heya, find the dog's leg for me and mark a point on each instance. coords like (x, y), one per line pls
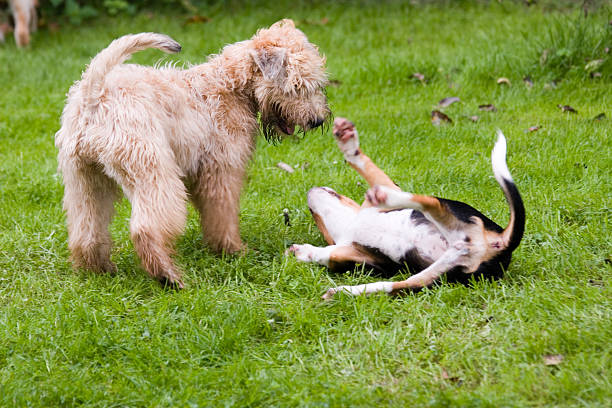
(435, 209)
(89, 196)
(335, 257)
(216, 195)
(21, 14)
(333, 213)
(452, 257)
(348, 142)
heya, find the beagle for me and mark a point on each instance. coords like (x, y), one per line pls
(393, 229)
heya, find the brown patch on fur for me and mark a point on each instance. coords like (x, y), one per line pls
(341, 256)
(321, 226)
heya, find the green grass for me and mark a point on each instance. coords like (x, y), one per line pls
(251, 330)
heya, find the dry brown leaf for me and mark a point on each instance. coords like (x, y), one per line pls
(448, 101)
(553, 359)
(489, 107)
(285, 166)
(437, 118)
(599, 117)
(197, 19)
(533, 129)
(567, 108)
(445, 376)
(504, 81)
(598, 283)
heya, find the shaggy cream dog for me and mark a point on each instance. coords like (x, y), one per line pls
(165, 135)
(26, 21)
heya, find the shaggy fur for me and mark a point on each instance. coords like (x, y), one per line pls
(165, 135)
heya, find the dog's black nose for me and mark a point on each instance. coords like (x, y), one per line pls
(316, 123)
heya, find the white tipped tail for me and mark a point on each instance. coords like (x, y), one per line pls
(513, 233)
(498, 159)
(117, 52)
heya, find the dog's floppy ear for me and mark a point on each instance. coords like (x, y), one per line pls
(270, 61)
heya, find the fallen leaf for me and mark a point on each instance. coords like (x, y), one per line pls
(533, 129)
(197, 19)
(553, 359)
(567, 108)
(550, 85)
(448, 101)
(593, 65)
(599, 117)
(335, 83)
(419, 76)
(488, 107)
(445, 376)
(322, 21)
(474, 118)
(285, 166)
(437, 118)
(598, 283)
(502, 80)
(544, 57)
(527, 80)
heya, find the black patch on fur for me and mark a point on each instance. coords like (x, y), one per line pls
(516, 205)
(418, 218)
(465, 212)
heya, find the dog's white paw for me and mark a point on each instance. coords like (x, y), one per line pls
(388, 198)
(330, 293)
(346, 138)
(304, 253)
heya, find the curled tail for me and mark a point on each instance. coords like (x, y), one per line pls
(117, 52)
(513, 233)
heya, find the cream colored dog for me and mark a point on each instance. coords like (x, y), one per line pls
(26, 21)
(167, 134)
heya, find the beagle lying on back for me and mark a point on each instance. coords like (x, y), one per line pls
(394, 229)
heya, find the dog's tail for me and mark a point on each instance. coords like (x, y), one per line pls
(513, 233)
(118, 51)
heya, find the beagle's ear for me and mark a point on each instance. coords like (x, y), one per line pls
(270, 61)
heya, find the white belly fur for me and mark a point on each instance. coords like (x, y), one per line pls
(394, 234)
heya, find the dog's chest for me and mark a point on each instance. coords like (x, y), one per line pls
(398, 234)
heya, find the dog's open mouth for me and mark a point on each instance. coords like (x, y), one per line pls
(285, 127)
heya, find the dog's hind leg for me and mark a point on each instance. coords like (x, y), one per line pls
(333, 213)
(335, 257)
(89, 196)
(453, 257)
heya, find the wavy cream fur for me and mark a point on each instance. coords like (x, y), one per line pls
(165, 134)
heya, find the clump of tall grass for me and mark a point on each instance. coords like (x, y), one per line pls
(579, 45)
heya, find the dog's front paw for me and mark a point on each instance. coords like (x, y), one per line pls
(346, 137)
(327, 296)
(304, 253)
(377, 196)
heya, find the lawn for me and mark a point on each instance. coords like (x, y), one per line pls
(251, 330)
